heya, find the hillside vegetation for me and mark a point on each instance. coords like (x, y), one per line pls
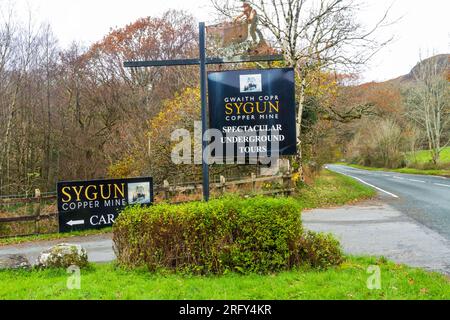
(408, 125)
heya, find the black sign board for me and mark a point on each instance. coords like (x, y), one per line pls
(255, 111)
(96, 204)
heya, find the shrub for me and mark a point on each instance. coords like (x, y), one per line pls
(320, 250)
(256, 235)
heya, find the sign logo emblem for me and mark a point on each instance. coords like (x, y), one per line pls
(139, 193)
(251, 83)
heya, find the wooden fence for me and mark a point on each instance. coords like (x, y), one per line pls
(175, 194)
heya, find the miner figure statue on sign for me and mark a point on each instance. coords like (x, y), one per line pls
(251, 16)
(241, 36)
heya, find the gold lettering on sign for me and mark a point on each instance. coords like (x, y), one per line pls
(251, 108)
(78, 192)
(102, 192)
(66, 194)
(119, 189)
(94, 194)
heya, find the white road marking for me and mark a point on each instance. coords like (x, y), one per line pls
(371, 185)
(442, 185)
(400, 178)
(413, 180)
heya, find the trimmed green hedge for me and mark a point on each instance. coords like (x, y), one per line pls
(257, 235)
(320, 250)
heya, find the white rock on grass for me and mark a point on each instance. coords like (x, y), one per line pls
(63, 256)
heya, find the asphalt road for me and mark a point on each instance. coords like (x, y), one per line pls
(425, 199)
(98, 247)
(376, 228)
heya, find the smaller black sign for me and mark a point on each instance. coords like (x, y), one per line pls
(96, 204)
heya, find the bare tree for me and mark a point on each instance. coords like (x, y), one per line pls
(387, 141)
(413, 137)
(428, 103)
(314, 35)
(19, 49)
(7, 35)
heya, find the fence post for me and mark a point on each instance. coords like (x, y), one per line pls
(37, 195)
(223, 184)
(166, 187)
(287, 184)
(253, 182)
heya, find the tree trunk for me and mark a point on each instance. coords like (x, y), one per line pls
(300, 106)
(6, 139)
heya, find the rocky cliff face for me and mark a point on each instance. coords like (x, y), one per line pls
(442, 62)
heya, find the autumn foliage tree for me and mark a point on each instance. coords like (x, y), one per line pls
(180, 112)
(69, 114)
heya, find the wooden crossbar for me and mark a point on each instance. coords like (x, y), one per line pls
(196, 62)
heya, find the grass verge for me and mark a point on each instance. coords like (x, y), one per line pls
(424, 156)
(347, 282)
(402, 170)
(333, 189)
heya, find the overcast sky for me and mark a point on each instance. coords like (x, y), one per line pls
(425, 26)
